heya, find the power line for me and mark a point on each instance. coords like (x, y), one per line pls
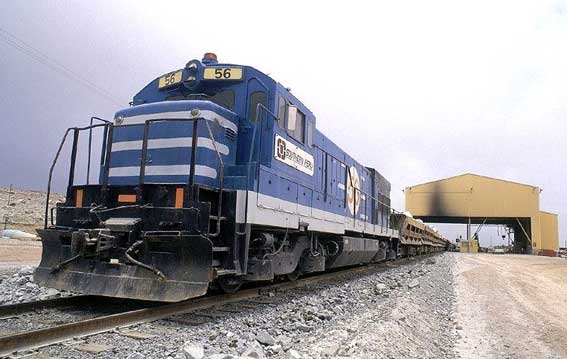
(45, 60)
(52, 64)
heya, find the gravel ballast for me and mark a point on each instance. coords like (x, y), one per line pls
(16, 286)
(402, 312)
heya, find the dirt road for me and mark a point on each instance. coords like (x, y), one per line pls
(511, 306)
(16, 253)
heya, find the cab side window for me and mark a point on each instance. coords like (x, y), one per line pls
(296, 124)
(256, 98)
(310, 125)
(281, 112)
(224, 98)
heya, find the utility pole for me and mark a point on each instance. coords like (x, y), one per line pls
(509, 232)
(7, 207)
(469, 236)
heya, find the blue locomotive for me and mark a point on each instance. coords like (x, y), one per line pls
(216, 175)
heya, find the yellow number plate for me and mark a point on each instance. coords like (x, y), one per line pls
(223, 73)
(170, 79)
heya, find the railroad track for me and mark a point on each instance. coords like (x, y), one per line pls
(13, 310)
(47, 336)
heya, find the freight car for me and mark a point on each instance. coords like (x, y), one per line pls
(215, 175)
(416, 237)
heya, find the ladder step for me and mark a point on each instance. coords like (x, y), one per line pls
(221, 249)
(225, 271)
(214, 218)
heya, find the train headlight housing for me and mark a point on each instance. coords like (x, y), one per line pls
(193, 70)
(195, 112)
(118, 120)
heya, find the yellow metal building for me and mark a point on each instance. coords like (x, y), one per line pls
(549, 233)
(476, 199)
(468, 246)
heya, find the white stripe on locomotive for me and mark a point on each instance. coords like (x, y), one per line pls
(272, 211)
(205, 114)
(159, 143)
(171, 170)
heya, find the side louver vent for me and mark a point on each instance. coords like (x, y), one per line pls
(230, 134)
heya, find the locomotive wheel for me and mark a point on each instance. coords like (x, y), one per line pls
(229, 285)
(294, 275)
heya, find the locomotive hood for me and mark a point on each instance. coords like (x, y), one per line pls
(184, 109)
(168, 128)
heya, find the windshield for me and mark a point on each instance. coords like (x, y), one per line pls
(224, 98)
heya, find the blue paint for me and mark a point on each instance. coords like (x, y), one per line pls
(325, 190)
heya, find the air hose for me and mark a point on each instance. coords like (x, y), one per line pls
(131, 250)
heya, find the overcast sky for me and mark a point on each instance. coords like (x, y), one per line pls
(419, 90)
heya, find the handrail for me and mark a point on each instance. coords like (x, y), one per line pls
(221, 180)
(143, 158)
(194, 146)
(374, 198)
(257, 121)
(106, 125)
(90, 144)
(73, 161)
(76, 129)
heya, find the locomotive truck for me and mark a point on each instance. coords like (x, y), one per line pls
(216, 175)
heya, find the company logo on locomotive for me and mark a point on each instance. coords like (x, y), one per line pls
(353, 190)
(293, 156)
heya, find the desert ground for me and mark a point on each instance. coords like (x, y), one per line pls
(511, 306)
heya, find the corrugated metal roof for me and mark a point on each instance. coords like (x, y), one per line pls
(475, 175)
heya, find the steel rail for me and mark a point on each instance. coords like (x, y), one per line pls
(48, 336)
(16, 309)
(10, 310)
